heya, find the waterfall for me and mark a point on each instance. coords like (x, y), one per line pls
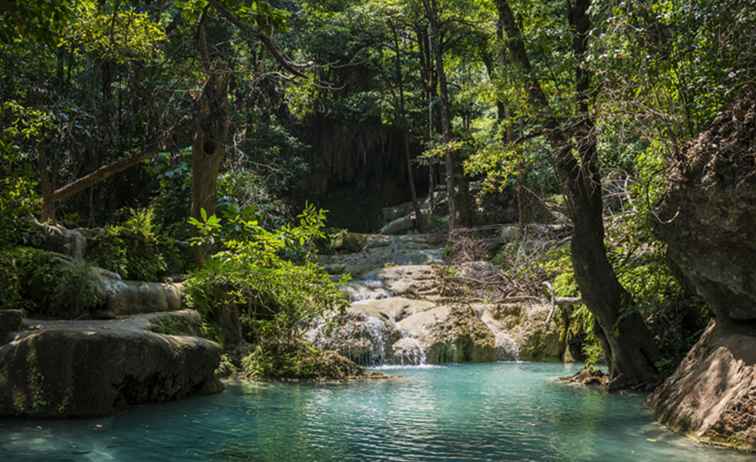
(409, 352)
(506, 348)
(376, 330)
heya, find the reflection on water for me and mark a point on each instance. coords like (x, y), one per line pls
(493, 412)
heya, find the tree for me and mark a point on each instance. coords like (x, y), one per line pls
(402, 117)
(457, 189)
(627, 343)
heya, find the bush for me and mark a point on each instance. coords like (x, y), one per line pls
(269, 278)
(300, 360)
(134, 249)
(48, 284)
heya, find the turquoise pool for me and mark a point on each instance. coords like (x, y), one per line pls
(486, 412)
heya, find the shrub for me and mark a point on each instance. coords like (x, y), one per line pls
(134, 249)
(298, 360)
(48, 284)
(269, 278)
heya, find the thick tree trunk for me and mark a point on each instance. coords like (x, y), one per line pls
(627, 342)
(208, 146)
(211, 126)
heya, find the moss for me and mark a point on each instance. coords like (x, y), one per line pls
(36, 381)
(19, 401)
(342, 241)
(66, 402)
(174, 325)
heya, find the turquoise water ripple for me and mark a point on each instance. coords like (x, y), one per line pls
(489, 412)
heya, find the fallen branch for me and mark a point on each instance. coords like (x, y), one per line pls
(101, 174)
(558, 301)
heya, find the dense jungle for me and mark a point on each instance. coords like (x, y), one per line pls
(463, 230)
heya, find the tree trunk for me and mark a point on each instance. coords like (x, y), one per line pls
(208, 145)
(402, 116)
(626, 340)
(211, 127)
(457, 190)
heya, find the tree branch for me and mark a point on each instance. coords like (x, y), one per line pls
(283, 61)
(101, 174)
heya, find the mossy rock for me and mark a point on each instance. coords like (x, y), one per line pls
(462, 337)
(343, 241)
(89, 372)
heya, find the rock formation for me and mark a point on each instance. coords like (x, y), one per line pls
(399, 314)
(94, 368)
(708, 219)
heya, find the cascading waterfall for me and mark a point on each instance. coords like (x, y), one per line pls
(376, 332)
(506, 347)
(409, 352)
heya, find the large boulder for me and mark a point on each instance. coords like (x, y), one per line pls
(712, 394)
(521, 331)
(708, 219)
(125, 298)
(57, 238)
(86, 371)
(461, 337)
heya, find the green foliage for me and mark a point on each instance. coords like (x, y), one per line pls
(117, 35)
(268, 277)
(297, 360)
(18, 197)
(134, 249)
(40, 20)
(675, 317)
(48, 284)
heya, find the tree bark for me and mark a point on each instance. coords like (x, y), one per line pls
(211, 127)
(208, 144)
(629, 347)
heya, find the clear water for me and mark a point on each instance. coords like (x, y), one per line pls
(493, 412)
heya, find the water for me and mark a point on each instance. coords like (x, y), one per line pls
(492, 412)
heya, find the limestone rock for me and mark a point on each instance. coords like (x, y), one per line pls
(94, 371)
(709, 213)
(708, 220)
(56, 238)
(125, 298)
(399, 225)
(712, 394)
(461, 337)
(364, 338)
(524, 325)
(588, 377)
(382, 251)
